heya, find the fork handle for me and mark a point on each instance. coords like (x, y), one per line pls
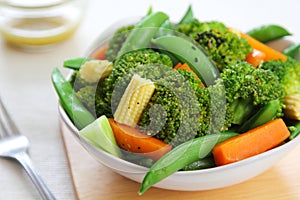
(42, 188)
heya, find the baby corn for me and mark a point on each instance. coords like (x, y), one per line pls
(94, 70)
(134, 101)
(292, 109)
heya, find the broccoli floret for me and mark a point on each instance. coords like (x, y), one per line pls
(116, 42)
(288, 73)
(181, 109)
(223, 46)
(121, 75)
(248, 88)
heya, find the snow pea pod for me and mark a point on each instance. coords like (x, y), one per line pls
(188, 16)
(140, 37)
(75, 63)
(267, 33)
(181, 156)
(192, 54)
(292, 51)
(75, 110)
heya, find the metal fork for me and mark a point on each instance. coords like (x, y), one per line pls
(14, 145)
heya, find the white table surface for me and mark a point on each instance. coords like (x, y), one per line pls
(26, 89)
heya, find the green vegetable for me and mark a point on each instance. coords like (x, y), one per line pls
(181, 156)
(191, 54)
(223, 46)
(116, 42)
(188, 16)
(294, 129)
(288, 73)
(267, 33)
(248, 88)
(100, 134)
(181, 109)
(200, 164)
(80, 116)
(262, 116)
(75, 63)
(143, 32)
(293, 51)
(126, 63)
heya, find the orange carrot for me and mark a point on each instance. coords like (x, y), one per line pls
(271, 54)
(256, 57)
(134, 141)
(253, 142)
(100, 53)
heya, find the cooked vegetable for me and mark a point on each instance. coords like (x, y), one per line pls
(288, 73)
(222, 46)
(122, 71)
(271, 54)
(80, 116)
(132, 140)
(267, 33)
(253, 142)
(294, 129)
(293, 51)
(100, 54)
(191, 54)
(248, 88)
(204, 163)
(256, 57)
(100, 134)
(134, 101)
(116, 42)
(262, 116)
(75, 63)
(187, 17)
(93, 71)
(181, 156)
(143, 32)
(292, 109)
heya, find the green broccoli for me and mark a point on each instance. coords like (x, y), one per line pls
(181, 109)
(288, 73)
(120, 76)
(223, 46)
(117, 41)
(248, 88)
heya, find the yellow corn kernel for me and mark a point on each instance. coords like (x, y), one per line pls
(292, 109)
(134, 100)
(94, 70)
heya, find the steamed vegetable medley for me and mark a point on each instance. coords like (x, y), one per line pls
(184, 96)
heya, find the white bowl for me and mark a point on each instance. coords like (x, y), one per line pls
(205, 179)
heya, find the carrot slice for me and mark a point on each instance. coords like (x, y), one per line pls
(100, 54)
(133, 140)
(271, 54)
(253, 142)
(256, 57)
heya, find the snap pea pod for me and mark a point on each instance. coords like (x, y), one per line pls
(294, 128)
(76, 111)
(140, 37)
(293, 51)
(188, 52)
(75, 63)
(262, 116)
(267, 33)
(181, 156)
(188, 16)
(200, 164)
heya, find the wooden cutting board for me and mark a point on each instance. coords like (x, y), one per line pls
(93, 181)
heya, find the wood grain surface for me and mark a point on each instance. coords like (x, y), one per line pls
(93, 181)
